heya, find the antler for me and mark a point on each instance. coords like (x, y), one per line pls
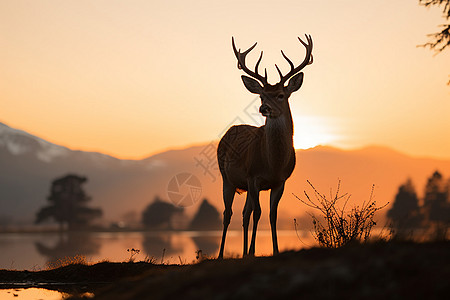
(241, 63)
(307, 61)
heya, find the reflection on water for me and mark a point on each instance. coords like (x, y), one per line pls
(36, 251)
(31, 294)
(41, 293)
(70, 244)
(156, 244)
(208, 244)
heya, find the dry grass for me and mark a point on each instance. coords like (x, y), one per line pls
(66, 261)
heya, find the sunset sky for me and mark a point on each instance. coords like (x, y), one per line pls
(132, 78)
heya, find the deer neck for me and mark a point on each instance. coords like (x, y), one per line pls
(279, 140)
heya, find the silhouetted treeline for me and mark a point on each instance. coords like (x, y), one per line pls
(68, 207)
(163, 215)
(432, 212)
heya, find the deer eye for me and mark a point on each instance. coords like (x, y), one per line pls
(280, 97)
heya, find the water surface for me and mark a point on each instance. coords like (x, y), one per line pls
(36, 251)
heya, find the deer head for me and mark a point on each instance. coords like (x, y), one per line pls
(274, 98)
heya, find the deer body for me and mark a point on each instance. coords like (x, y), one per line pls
(267, 153)
(252, 158)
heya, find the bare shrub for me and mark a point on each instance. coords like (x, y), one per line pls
(337, 226)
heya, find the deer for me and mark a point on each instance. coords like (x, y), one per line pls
(253, 159)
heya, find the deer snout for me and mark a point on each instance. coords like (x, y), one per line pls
(265, 110)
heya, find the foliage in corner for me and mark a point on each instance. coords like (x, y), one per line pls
(441, 39)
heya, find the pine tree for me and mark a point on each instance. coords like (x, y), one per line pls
(436, 203)
(405, 213)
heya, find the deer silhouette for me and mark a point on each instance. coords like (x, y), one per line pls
(254, 159)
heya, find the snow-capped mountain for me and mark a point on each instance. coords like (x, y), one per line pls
(19, 142)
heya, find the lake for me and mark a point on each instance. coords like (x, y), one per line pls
(36, 251)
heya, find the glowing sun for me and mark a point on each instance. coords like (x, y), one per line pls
(311, 131)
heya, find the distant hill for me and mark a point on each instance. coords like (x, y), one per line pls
(28, 164)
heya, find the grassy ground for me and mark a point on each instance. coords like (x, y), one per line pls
(390, 270)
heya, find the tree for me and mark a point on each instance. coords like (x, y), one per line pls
(441, 39)
(68, 203)
(405, 212)
(206, 218)
(434, 189)
(158, 214)
(436, 204)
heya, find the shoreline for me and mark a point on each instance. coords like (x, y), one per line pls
(366, 271)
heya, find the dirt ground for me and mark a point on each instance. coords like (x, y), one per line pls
(380, 270)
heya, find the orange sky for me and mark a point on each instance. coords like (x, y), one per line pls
(131, 78)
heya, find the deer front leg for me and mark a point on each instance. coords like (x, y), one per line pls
(246, 213)
(228, 196)
(275, 196)
(253, 194)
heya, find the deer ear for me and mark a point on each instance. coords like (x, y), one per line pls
(252, 85)
(295, 83)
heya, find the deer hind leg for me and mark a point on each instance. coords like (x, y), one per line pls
(275, 196)
(246, 213)
(253, 195)
(228, 196)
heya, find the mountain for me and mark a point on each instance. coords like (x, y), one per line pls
(123, 188)
(19, 142)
